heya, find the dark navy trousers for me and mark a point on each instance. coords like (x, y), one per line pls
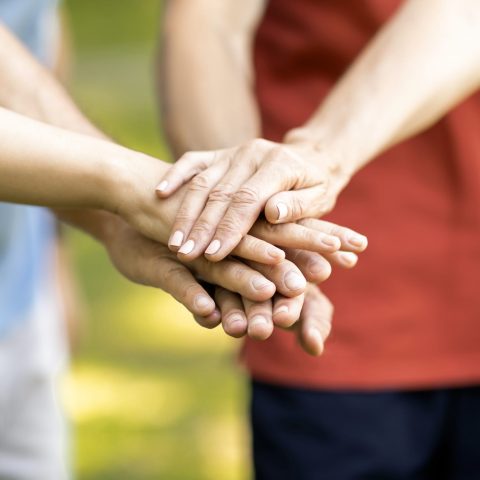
(301, 434)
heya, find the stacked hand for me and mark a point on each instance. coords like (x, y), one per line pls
(258, 286)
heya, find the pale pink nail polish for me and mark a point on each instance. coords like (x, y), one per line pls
(187, 247)
(213, 248)
(176, 239)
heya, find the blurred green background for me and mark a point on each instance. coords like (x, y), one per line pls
(150, 394)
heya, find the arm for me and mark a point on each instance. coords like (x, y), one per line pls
(430, 49)
(206, 72)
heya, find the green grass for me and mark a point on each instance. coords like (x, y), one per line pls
(150, 394)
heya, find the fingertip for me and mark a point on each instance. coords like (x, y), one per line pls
(235, 326)
(348, 259)
(283, 318)
(276, 210)
(313, 342)
(210, 321)
(259, 328)
(319, 271)
(203, 305)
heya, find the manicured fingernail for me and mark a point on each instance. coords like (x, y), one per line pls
(281, 309)
(331, 242)
(348, 258)
(187, 247)
(359, 241)
(176, 239)
(259, 283)
(275, 252)
(162, 186)
(282, 211)
(258, 321)
(294, 281)
(201, 301)
(213, 248)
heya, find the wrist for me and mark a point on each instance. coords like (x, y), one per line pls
(323, 154)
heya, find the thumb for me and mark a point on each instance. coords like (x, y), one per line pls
(294, 205)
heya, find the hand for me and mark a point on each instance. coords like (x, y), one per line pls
(308, 315)
(133, 198)
(229, 189)
(150, 263)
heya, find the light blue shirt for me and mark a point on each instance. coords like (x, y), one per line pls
(26, 233)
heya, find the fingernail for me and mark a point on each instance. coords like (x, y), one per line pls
(235, 319)
(259, 283)
(162, 186)
(294, 281)
(330, 241)
(258, 321)
(281, 309)
(187, 247)
(282, 211)
(349, 258)
(201, 301)
(318, 267)
(275, 252)
(213, 248)
(359, 241)
(316, 336)
(176, 239)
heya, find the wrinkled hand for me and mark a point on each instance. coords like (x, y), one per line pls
(228, 189)
(308, 315)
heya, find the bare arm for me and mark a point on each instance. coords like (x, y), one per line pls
(421, 64)
(206, 72)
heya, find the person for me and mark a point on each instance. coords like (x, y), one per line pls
(53, 156)
(331, 86)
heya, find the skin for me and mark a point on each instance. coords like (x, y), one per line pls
(219, 111)
(430, 47)
(115, 200)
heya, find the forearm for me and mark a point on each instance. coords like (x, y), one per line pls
(420, 65)
(206, 74)
(28, 88)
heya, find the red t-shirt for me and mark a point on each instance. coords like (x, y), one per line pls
(408, 315)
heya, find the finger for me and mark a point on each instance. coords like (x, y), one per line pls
(236, 277)
(249, 248)
(210, 321)
(286, 276)
(286, 311)
(177, 280)
(342, 259)
(186, 167)
(192, 205)
(259, 317)
(293, 235)
(213, 208)
(274, 175)
(315, 322)
(351, 240)
(252, 248)
(314, 267)
(234, 320)
(293, 205)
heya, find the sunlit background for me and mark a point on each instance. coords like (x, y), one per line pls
(150, 394)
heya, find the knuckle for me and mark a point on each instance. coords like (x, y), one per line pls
(199, 183)
(246, 197)
(172, 276)
(298, 206)
(221, 193)
(201, 226)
